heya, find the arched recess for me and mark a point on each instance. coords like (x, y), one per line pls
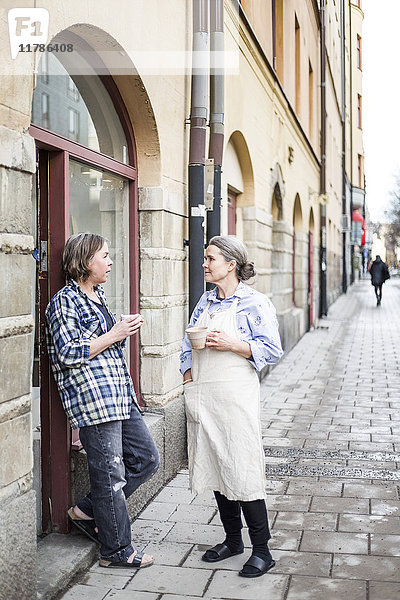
(87, 180)
(281, 241)
(238, 184)
(310, 285)
(103, 50)
(298, 285)
(276, 204)
(277, 192)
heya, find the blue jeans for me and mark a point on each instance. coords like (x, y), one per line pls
(121, 456)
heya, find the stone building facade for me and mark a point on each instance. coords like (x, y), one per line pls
(97, 138)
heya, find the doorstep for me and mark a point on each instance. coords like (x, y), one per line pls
(59, 559)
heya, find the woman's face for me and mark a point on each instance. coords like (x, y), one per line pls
(100, 266)
(216, 268)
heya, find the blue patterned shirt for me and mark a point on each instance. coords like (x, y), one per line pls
(92, 391)
(256, 323)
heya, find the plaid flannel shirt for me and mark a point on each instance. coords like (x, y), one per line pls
(92, 391)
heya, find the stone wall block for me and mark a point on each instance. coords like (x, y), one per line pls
(17, 150)
(160, 374)
(16, 270)
(15, 449)
(175, 436)
(15, 205)
(146, 278)
(151, 198)
(17, 544)
(163, 325)
(14, 352)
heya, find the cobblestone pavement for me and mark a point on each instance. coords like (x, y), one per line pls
(331, 428)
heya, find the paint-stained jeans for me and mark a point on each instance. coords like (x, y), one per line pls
(121, 456)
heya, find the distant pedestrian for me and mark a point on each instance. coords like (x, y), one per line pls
(85, 345)
(222, 400)
(379, 273)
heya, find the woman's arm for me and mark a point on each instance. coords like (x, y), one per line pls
(120, 331)
(219, 340)
(186, 354)
(64, 332)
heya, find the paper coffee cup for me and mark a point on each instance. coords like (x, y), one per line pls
(127, 316)
(197, 337)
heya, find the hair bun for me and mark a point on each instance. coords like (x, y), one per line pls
(247, 271)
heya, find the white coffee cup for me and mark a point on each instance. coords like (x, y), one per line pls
(129, 316)
(197, 337)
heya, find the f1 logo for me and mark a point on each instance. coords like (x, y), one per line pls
(27, 26)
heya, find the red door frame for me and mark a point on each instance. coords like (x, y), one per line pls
(54, 228)
(310, 279)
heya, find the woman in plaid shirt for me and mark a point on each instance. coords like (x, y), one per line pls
(85, 345)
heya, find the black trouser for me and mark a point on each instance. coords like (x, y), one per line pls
(255, 514)
(378, 291)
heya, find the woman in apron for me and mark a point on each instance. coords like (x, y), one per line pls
(222, 400)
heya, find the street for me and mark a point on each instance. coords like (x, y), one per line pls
(331, 431)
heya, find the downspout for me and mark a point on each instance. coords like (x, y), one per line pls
(323, 291)
(216, 112)
(344, 186)
(197, 148)
(351, 146)
(274, 34)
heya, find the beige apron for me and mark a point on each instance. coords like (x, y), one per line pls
(223, 418)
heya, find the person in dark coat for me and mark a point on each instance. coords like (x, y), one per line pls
(379, 273)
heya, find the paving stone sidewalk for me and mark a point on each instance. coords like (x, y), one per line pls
(331, 430)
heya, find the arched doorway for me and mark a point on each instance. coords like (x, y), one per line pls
(297, 284)
(238, 184)
(86, 180)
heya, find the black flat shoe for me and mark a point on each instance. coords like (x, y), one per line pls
(220, 551)
(262, 566)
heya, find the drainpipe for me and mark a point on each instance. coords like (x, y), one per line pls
(351, 147)
(323, 294)
(197, 147)
(216, 112)
(344, 203)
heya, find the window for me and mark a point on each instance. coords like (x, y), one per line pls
(277, 37)
(45, 110)
(44, 68)
(360, 171)
(359, 56)
(94, 123)
(297, 78)
(72, 90)
(359, 111)
(73, 124)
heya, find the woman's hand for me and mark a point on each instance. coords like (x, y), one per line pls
(219, 340)
(126, 327)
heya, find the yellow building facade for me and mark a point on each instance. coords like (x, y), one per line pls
(95, 136)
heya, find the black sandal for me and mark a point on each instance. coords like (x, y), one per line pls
(222, 551)
(85, 526)
(262, 566)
